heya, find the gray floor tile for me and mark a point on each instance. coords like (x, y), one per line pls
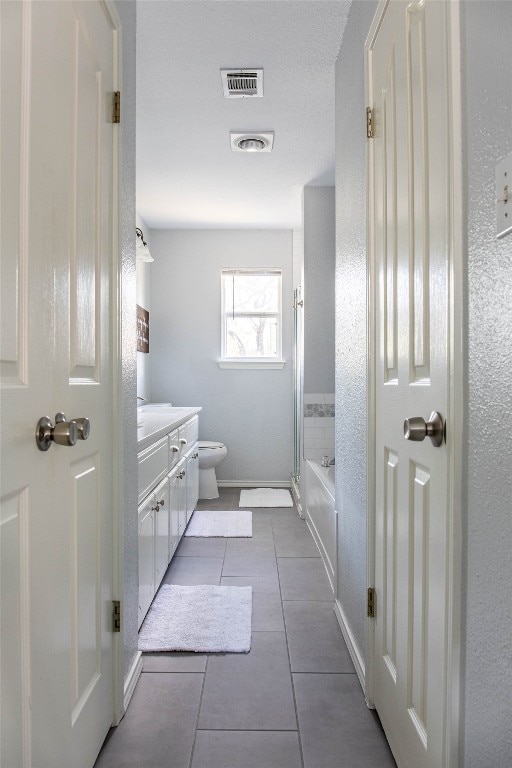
(267, 583)
(295, 543)
(174, 662)
(246, 749)
(158, 728)
(267, 610)
(250, 691)
(249, 546)
(303, 579)
(201, 546)
(248, 563)
(189, 571)
(337, 728)
(315, 641)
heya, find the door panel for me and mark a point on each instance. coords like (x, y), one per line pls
(410, 164)
(58, 204)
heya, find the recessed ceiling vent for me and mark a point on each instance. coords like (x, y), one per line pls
(242, 83)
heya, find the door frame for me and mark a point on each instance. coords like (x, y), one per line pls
(456, 388)
(117, 380)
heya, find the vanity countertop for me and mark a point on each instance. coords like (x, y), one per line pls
(157, 425)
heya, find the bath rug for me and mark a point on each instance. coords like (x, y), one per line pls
(266, 497)
(227, 524)
(204, 619)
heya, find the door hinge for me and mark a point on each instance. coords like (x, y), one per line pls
(370, 123)
(116, 107)
(371, 599)
(116, 615)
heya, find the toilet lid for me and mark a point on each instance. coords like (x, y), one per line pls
(209, 444)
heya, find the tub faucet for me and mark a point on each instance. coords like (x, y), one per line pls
(332, 462)
(325, 461)
(141, 398)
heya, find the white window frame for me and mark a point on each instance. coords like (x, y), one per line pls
(276, 360)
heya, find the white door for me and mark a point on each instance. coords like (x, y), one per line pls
(410, 159)
(58, 254)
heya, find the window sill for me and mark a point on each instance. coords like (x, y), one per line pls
(251, 364)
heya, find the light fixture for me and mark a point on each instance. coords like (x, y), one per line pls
(142, 251)
(252, 142)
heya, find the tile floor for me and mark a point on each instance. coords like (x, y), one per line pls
(294, 701)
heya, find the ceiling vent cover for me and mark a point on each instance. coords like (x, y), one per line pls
(242, 83)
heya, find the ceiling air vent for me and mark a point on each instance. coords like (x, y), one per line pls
(242, 83)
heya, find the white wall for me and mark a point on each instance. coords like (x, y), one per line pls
(351, 387)
(143, 300)
(250, 411)
(487, 511)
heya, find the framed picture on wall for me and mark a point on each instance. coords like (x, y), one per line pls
(142, 329)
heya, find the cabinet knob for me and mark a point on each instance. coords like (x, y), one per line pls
(175, 449)
(183, 441)
(162, 502)
(155, 509)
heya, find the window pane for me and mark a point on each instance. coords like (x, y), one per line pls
(251, 337)
(252, 293)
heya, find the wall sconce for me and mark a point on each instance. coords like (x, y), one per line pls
(142, 251)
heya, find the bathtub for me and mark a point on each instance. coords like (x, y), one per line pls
(320, 513)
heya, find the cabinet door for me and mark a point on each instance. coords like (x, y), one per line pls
(192, 478)
(161, 510)
(174, 512)
(182, 496)
(146, 556)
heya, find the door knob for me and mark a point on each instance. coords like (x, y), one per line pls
(63, 433)
(417, 429)
(84, 427)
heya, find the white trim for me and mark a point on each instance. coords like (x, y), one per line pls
(456, 392)
(330, 568)
(254, 483)
(370, 367)
(355, 654)
(251, 364)
(132, 678)
(116, 338)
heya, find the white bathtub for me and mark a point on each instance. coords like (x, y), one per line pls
(320, 513)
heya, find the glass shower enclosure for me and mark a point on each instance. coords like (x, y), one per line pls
(298, 379)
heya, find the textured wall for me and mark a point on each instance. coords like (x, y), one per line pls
(250, 411)
(351, 389)
(129, 544)
(487, 514)
(319, 258)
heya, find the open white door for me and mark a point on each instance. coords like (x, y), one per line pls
(411, 182)
(59, 246)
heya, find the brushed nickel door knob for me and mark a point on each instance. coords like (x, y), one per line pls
(417, 429)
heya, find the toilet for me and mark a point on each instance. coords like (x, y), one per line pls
(210, 454)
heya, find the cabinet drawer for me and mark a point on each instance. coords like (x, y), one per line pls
(153, 466)
(174, 448)
(189, 432)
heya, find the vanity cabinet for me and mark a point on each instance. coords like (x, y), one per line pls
(168, 486)
(192, 480)
(146, 556)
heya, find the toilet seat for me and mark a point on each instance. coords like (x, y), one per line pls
(209, 444)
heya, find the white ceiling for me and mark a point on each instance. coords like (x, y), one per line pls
(187, 175)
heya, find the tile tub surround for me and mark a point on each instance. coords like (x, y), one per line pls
(278, 706)
(318, 425)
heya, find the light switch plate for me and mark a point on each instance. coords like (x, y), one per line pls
(504, 197)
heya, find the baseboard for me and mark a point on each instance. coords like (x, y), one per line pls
(254, 484)
(355, 654)
(132, 679)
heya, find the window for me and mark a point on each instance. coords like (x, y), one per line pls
(251, 315)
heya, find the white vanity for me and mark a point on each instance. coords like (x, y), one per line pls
(168, 479)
